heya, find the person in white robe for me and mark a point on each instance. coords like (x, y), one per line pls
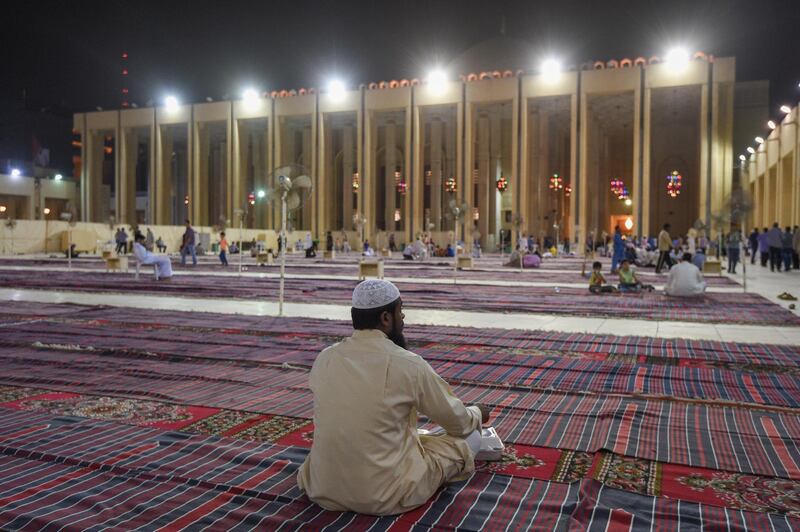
(162, 262)
(367, 455)
(685, 279)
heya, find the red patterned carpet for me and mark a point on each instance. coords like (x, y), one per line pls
(711, 308)
(120, 418)
(554, 271)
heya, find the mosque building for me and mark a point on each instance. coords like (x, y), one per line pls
(636, 142)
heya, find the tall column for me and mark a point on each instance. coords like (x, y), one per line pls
(641, 196)
(240, 145)
(164, 190)
(466, 165)
(704, 198)
(526, 190)
(231, 155)
(326, 177)
(496, 169)
(390, 160)
(580, 189)
(349, 166)
(573, 176)
(418, 185)
(482, 201)
(450, 168)
(307, 208)
(436, 173)
(150, 215)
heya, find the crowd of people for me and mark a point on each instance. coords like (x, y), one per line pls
(779, 248)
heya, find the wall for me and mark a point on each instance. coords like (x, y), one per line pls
(29, 236)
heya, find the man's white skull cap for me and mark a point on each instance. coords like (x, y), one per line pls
(374, 293)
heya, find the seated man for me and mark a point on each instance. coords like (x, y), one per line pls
(685, 279)
(162, 262)
(699, 259)
(367, 455)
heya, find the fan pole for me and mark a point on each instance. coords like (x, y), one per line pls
(241, 223)
(742, 255)
(283, 251)
(455, 250)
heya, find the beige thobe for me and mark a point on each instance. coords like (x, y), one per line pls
(367, 456)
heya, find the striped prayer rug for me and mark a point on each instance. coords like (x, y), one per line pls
(711, 308)
(713, 424)
(63, 471)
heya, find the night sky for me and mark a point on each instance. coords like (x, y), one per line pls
(67, 54)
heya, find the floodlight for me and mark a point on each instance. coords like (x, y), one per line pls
(750, 150)
(771, 124)
(58, 177)
(742, 158)
(2, 208)
(46, 210)
(15, 172)
(551, 68)
(760, 140)
(336, 89)
(786, 109)
(628, 202)
(437, 80)
(261, 193)
(250, 98)
(677, 59)
(171, 103)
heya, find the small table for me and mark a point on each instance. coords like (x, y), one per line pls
(370, 269)
(116, 263)
(107, 254)
(265, 258)
(712, 266)
(464, 261)
(386, 253)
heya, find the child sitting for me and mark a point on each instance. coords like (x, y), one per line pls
(597, 281)
(628, 282)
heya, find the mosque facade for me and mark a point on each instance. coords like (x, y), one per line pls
(632, 142)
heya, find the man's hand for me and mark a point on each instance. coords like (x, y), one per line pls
(485, 413)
